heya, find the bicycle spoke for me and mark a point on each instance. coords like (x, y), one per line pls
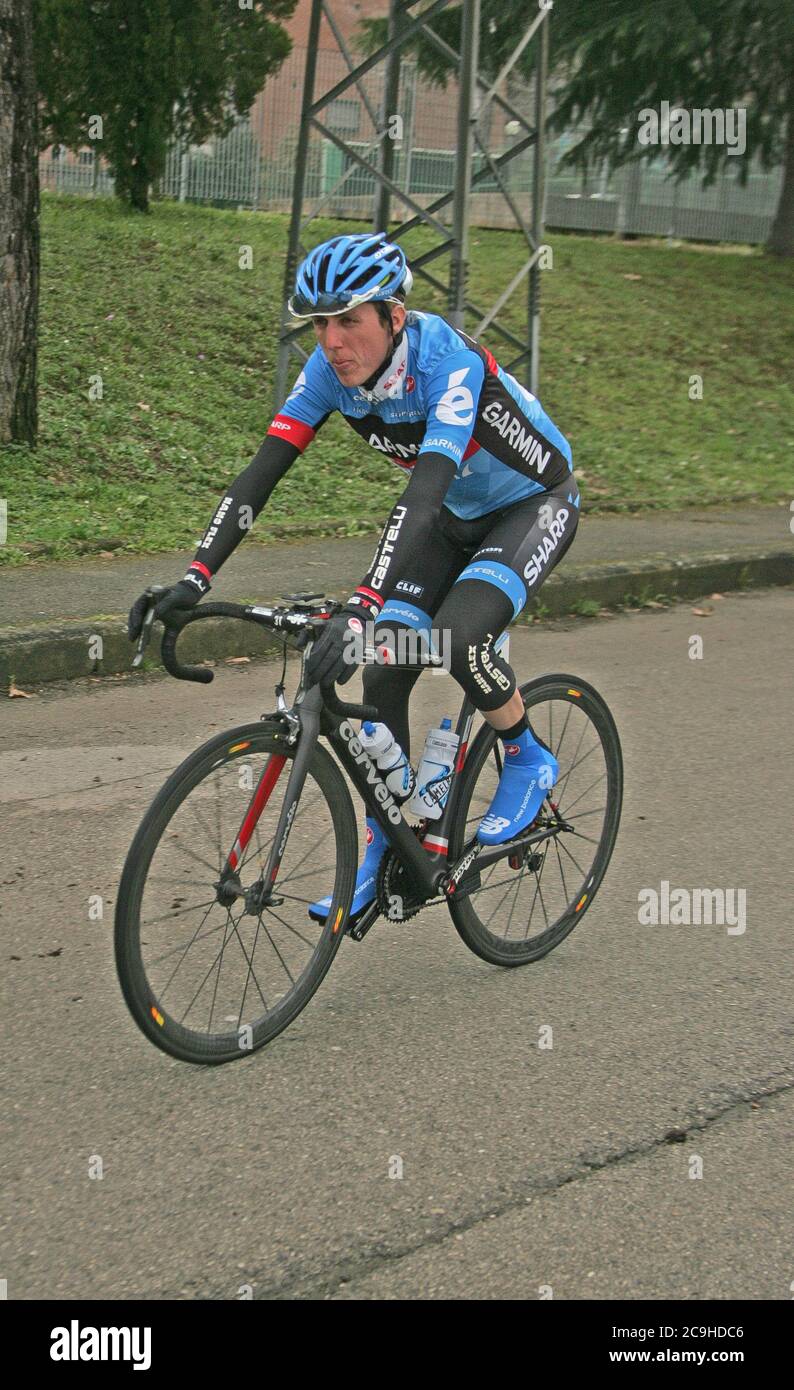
(209, 971)
(560, 789)
(571, 856)
(556, 750)
(158, 960)
(534, 900)
(275, 948)
(172, 916)
(515, 900)
(250, 968)
(161, 993)
(584, 757)
(292, 879)
(499, 904)
(568, 809)
(313, 847)
(191, 853)
(215, 991)
(542, 901)
(562, 871)
(294, 930)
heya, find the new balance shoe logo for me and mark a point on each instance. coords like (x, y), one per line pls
(490, 825)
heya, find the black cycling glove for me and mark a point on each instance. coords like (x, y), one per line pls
(338, 650)
(185, 594)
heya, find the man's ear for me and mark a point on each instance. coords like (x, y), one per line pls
(397, 317)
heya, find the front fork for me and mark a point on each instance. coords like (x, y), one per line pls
(260, 893)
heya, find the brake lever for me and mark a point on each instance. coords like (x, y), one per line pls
(154, 591)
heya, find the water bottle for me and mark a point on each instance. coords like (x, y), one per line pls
(387, 755)
(435, 772)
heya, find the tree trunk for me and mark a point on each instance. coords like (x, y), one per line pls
(132, 182)
(781, 237)
(19, 224)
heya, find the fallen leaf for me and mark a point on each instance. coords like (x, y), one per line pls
(23, 694)
(106, 555)
(236, 660)
(702, 612)
(142, 405)
(716, 595)
(632, 277)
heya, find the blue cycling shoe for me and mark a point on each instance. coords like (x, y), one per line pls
(366, 878)
(529, 772)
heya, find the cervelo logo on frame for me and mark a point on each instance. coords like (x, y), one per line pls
(380, 790)
(74, 1343)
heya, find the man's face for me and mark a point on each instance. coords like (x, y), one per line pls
(356, 343)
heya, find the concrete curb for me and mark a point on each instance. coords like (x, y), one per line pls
(84, 647)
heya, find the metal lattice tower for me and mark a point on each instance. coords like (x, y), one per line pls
(475, 95)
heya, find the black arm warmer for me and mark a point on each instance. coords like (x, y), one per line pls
(244, 501)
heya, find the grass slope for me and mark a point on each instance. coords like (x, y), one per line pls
(185, 344)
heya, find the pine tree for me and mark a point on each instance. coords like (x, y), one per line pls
(612, 59)
(134, 74)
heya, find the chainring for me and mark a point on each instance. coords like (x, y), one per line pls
(393, 881)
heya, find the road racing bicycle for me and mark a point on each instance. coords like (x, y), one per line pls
(215, 949)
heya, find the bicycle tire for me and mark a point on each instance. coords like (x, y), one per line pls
(148, 1010)
(484, 943)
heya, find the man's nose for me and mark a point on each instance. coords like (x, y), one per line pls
(333, 336)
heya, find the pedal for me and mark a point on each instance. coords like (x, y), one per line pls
(369, 916)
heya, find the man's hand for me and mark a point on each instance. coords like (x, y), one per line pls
(332, 656)
(181, 595)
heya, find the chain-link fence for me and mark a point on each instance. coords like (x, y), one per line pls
(254, 166)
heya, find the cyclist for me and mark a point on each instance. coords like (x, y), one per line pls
(490, 507)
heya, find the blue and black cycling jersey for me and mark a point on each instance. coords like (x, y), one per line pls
(471, 439)
(441, 393)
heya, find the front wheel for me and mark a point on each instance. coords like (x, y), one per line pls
(527, 904)
(208, 980)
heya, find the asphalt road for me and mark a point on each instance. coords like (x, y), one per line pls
(524, 1170)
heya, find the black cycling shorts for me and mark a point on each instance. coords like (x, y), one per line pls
(468, 588)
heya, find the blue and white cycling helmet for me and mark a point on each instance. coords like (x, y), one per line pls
(346, 271)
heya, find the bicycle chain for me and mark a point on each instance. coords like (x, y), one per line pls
(391, 876)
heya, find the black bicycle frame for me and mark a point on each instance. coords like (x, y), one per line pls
(313, 714)
(427, 861)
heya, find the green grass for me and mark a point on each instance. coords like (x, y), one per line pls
(185, 344)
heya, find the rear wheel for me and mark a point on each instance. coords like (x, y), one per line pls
(209, 982)
(527, 905)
